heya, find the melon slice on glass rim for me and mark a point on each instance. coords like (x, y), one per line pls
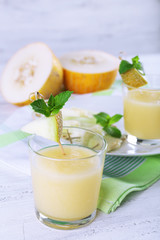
(47, 127)
(33, 68)
(89, 70)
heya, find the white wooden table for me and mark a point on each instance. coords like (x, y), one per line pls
(138, 218)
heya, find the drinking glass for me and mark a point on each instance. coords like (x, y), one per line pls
(66, 187)
(142, 112)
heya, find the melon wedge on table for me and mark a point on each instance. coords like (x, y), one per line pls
(89, 70)
(33, 68)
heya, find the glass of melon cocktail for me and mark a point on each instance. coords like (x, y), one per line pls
(142, 112)
(66, 186)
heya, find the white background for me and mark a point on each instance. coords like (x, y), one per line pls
(66, 25)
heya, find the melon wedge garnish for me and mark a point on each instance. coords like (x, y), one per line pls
(89, 70)
(33, 68)
(132, 73)
(133, 78)
(50, 126)
(47, 127)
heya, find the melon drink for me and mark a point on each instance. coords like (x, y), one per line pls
(62, 188)
(142, 112)
(66, 187)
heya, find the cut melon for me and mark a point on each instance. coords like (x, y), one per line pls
(47, 127)
(133, 78)
(33, 68)
(89, 71)
(83, 118)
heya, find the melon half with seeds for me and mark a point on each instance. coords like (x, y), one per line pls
(89, 70)
(33, 68)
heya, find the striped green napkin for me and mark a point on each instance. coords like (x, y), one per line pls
(121, 175)
(11, 137)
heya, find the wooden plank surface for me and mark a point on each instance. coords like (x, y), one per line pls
(137, 218)
(108, 25)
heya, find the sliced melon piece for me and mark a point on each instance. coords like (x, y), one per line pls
(47, 127)
(133, 78)
(83, 118)
(33, 68)
(89, 71)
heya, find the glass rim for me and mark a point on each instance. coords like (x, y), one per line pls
(149, 88)
(103, 149)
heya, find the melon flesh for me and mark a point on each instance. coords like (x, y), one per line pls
(89, 61)
(33, 68)
(89, 71)
(47, 127)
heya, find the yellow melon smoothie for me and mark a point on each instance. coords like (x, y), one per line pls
(142, 114)
(66, 186)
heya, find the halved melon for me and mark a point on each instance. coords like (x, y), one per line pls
(33, 68)
(89, 70)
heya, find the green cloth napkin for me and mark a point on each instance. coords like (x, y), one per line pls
(121, 175)
(11, 137)
(114, 189)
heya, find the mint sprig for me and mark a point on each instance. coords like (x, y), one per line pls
(106, 121)
(54, 104)
(126, 66)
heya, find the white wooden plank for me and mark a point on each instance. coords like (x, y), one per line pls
(131, 26)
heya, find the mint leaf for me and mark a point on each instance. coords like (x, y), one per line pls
(115, 119)
(137, 64)
(113, 131)
(51, 102)
(41, 107)
(62, 98)
(55, 111)
(106, 122)
(135, 60)
(102, 118)
(125, 66)
(53, 106)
